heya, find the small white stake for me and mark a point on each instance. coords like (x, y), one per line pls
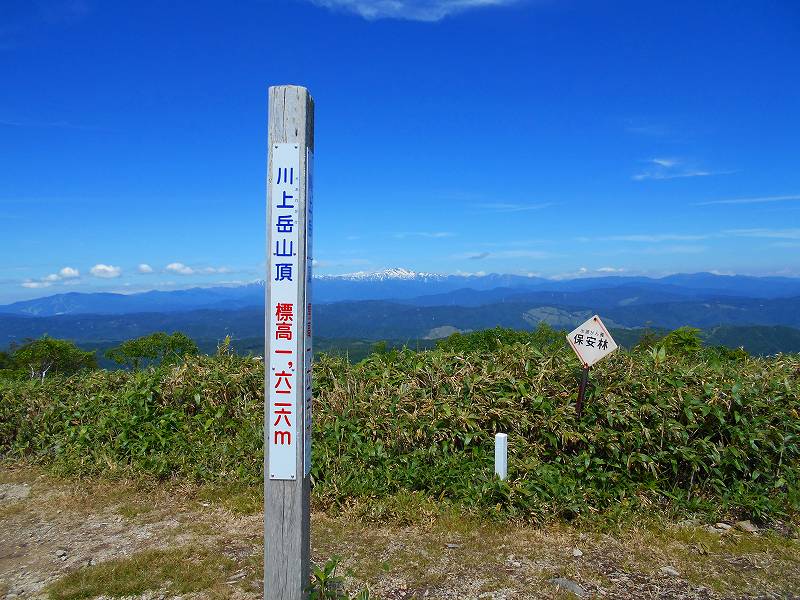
(501, 455)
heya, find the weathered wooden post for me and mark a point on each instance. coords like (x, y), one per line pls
(288, 348)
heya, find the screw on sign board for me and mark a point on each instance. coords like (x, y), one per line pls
(289, 388)
(592, 342)
(284, 364)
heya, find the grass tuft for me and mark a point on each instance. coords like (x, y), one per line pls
(177, 571)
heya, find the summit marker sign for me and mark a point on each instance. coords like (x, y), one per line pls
(288, 344)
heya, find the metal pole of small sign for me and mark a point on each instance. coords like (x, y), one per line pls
(582, 391)
(288, 351)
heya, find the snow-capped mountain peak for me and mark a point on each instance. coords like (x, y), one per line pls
(395, 273)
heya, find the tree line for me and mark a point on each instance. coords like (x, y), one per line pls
(39, 358)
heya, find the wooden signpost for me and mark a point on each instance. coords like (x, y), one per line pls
(592, 342)
(288, 348)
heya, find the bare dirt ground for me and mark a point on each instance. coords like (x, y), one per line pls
(88, 538)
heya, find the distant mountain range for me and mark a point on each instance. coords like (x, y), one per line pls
(372, 320)
(403, 305)
(426, 289)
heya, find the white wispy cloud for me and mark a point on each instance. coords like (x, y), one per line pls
(425, 234)
(657, 238)
(503, 207)
(673, 168)
(580, 272)
(763, 232)
(587, 272)
(756, 200)
(342, 262)
(105, 271)
(179, 268)
(522, 254)
(675, 249)
(665, 162)
(649, 238)
(144, 268)
(471, 255)
(668, 175)
(35, 284)
(410, 10)
(517, 243)
(66, 275)
(537, 254)
(182, 269)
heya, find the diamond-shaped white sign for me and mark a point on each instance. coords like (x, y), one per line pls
(591, 341)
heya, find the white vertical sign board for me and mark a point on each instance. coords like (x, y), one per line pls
(307, 339)
(591, 341)
(285, 369)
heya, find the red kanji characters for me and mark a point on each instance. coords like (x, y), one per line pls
(283, 379)
(283, 413)
(284, 314)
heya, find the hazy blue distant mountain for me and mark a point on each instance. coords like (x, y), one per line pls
(200, 324)
(74, 303)
(704, 314)
(736, 285)
(426, 289)
(401, 284)
(377, 319)
(597, 297)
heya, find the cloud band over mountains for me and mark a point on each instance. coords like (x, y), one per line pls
(410, 10)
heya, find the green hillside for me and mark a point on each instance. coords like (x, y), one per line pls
(755, 339)
(761, 326)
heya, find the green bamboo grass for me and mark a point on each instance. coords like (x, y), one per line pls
(672, 433)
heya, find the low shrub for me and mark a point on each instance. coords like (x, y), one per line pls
(676, 433)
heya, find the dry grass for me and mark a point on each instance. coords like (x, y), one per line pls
(176, 571)
(214, 546)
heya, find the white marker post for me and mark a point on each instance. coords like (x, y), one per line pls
(592, 342)
(501, 455)
(287, 354)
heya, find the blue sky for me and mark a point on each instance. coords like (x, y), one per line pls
(555, 137)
